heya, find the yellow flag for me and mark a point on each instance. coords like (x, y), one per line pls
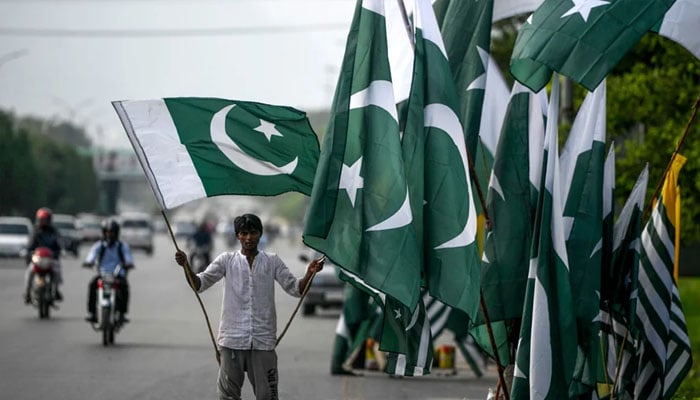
(671, 197)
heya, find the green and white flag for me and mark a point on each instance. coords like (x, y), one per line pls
(680, 23)
(192, 148)
(582, 165)
(619, 291)
(437, 170)
(511, 210)
(664, 347)
(546, 352)
(360, 214)
(405, 334)
(582, 39)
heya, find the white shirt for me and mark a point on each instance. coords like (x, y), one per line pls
(248, 315)
(110, 258)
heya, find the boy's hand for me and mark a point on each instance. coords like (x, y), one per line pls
(180, 257)
(316, 265)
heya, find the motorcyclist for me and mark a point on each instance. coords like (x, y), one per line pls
(45, 235)
(202, 243)
(107, 254)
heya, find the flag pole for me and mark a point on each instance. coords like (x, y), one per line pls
(676, 151)
(190, 281)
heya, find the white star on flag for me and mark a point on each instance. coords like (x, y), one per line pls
(584, 7)
(267, 129)
(397, 313)
(351, 181)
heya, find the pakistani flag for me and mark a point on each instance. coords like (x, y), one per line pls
(664, 347)
(582, 39)
(437, 168)
(405, 334)
(360, 214)
(191, 148)
(513, 185)
(680, 23)
(619, 291)
(466, 31)
(546, 352)
(582, 164)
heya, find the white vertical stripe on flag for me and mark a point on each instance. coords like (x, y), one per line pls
(165, 160)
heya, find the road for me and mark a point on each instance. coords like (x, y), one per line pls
(165, 351)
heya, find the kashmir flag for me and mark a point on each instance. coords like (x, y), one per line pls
(546, 352)
(360, 214)
(618, 293)
(680, 24)
(437, 169)
(664, 347)
(582, 165)
(582, 39)
(514, 184)
(191, 148)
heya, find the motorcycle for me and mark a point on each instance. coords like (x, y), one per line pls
(109, 319)
(42, 289)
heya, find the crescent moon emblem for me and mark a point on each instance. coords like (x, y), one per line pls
(238, 157)
(401, 217)
(414, 319)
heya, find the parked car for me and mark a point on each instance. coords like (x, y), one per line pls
(15, 233)
(137, 231)
(326, 290)
(68, 235)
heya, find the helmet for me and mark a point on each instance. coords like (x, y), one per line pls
(44, 213)
(42, 258)
(110, 225)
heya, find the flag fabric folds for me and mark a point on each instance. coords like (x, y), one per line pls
(437, 170)
(511, 206)
(192, 148)
(664, 350)
(583, 40)
(359, 214)
(680, 24)
(546, 352)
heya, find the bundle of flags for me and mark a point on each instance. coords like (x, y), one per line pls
(396, 189)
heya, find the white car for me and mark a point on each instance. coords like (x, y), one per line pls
(15, 234)
(137, 231)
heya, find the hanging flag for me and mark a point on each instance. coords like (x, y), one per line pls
(360, 214)
(405, 334)
(582, 166)
(358, 321)
(514, 184)
(437, 170)
(664, 346)
(192, 148)
(582, 39)
(618, 291)
(547, 347)
(680, 24)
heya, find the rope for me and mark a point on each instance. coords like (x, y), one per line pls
(303, 294)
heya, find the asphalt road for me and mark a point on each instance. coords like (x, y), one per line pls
(166, 353)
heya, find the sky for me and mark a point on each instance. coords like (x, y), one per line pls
(68, 59)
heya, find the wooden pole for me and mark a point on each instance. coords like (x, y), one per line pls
(301, 299)
(190, 280)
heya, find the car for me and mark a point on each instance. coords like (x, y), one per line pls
(15, 234)
(327, 290)
(184, 228)
(89, 229)
(137, 231)
(68, 235)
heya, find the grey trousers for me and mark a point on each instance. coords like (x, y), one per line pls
(261, 366)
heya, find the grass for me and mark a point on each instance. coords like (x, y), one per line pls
(690, 298)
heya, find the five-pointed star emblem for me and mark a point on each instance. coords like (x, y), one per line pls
(267, 129)
(584, 7)
(351, 181)
(397, 313)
